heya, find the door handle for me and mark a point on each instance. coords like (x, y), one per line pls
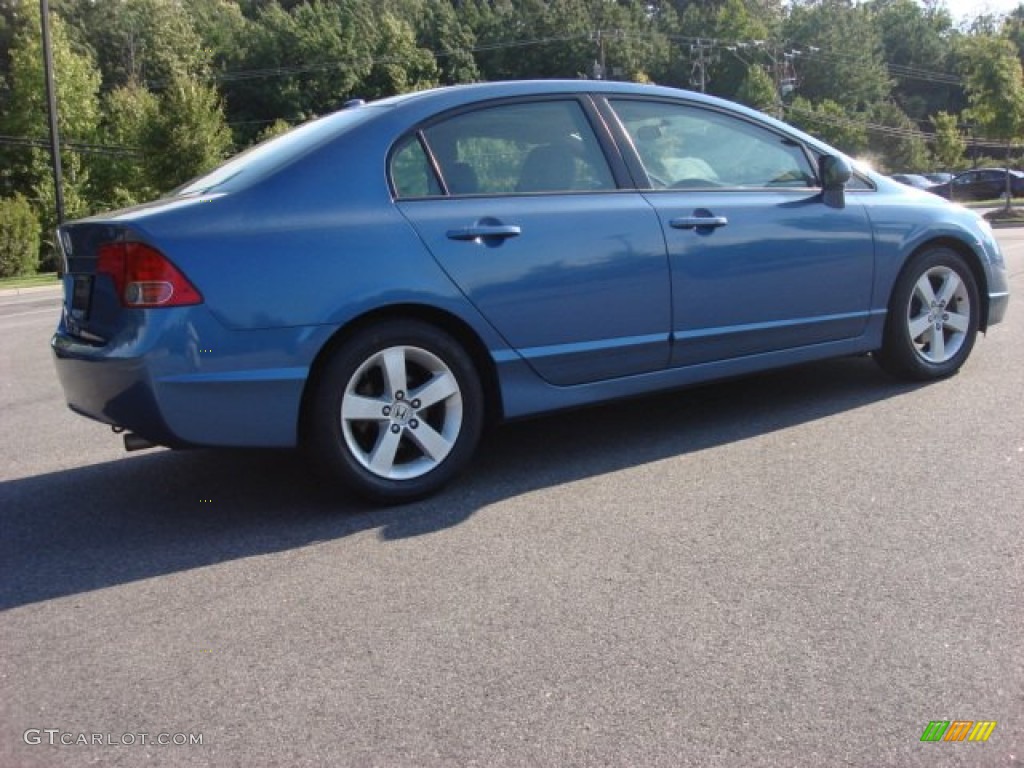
(485, 232)
(698, 222)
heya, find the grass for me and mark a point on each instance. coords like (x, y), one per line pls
(996, 210)
(996, 203)
(29, 281)
(1001, 215)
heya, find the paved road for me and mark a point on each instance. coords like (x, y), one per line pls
(800, 569)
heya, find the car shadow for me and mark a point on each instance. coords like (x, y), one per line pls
(162, 512)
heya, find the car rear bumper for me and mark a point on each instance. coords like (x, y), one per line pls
(118, 392)
(186, 381)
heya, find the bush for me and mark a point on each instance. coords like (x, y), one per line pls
(19, 237)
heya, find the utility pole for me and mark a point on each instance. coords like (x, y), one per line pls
(704, 58)
(599, 69)
(51, 100)
(783, 70)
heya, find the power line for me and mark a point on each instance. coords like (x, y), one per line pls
(291, 70)
(889, 130)
(73, 146)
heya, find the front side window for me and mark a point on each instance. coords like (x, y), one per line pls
(519, 148)
(683, 147)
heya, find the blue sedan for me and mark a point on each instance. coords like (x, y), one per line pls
(379, 285)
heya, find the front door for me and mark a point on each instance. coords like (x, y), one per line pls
(759, 262)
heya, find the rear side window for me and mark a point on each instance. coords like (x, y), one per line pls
(518, 148)
(684, 147)
(411, 172)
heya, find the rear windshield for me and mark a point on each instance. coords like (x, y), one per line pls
(278, 152)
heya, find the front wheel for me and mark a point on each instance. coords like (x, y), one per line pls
(933, 317)
(396, 412)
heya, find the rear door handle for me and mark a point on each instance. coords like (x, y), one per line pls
(485, 232)
(698, 222)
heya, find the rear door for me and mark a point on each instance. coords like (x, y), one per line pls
(518, 201)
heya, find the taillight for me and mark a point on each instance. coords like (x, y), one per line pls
(144, 277)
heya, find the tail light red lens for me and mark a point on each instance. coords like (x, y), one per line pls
(144, 277)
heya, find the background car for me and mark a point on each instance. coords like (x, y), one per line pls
(939, 177)
(981, 184)
(378, 285)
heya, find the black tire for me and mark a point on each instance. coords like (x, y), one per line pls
(933, 317)
(367, 427)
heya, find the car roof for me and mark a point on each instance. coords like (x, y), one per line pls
(475, 92)
(1013, 172)
(502, 88)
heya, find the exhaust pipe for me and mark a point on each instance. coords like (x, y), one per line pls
(133, 442)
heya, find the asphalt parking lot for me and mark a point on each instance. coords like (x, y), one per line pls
(798, 569)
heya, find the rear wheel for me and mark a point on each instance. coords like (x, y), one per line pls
(933, 317)
(396, 413)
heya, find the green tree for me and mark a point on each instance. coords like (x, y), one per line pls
(758, 90)
(188, 137)
(633, 46)
(949, 145)
(399, 65)
(77, 81)
(76, 78)
(302, 63)
(130, 117)
(8, 24)
(19, 237)
(277, 128)
(896, 143)
(916, 41)
(995, 90)
(728, 22)
(1013, 29)
(829, 121)
(453, 41)
(144, 41)
(442, 31)
(840, 56)
(561, 35)
(223, 31)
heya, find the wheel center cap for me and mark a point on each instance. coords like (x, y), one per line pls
(401, 412)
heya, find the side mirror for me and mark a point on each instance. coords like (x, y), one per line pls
(834, 172)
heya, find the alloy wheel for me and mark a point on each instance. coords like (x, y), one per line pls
(401, 413)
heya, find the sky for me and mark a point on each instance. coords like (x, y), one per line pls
(969, 9)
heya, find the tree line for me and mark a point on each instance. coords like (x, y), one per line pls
(154, 92)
